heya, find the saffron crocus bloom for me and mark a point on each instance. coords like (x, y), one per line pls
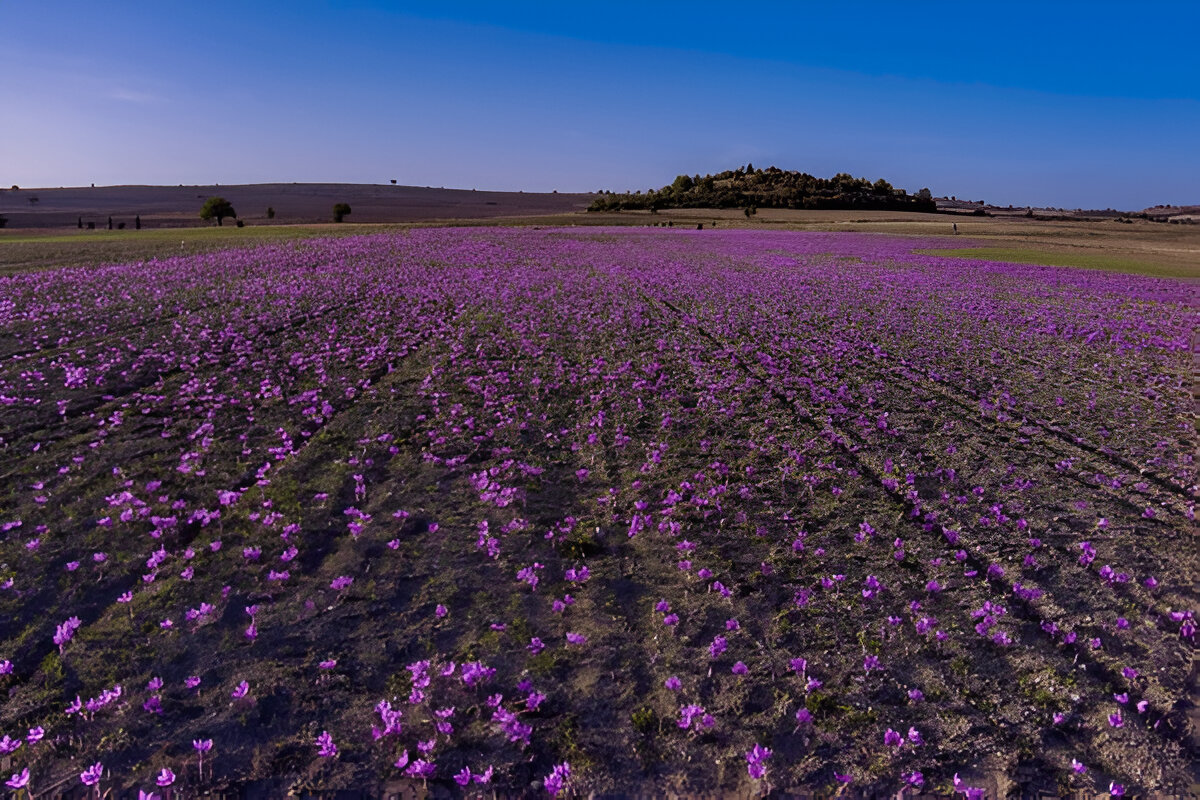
(19, 780)
(755, 759)
(240, 691)
(325, 746)
(892, 739)
(558, 778)
(673, 683)
(91, 775)
(740, 669)
(166, 777)
(576, 638)
(35, 735)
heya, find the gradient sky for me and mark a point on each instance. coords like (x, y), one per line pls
(1068, 104)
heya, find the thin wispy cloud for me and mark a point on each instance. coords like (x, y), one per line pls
(134, 96)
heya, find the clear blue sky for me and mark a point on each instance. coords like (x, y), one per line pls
(1070, 104)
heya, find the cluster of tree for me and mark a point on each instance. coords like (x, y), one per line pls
(218, 208)
(747, 187)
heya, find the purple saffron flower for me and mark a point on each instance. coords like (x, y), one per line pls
(91, 775)
(754, 761)
(19, 780)
(558, 779)
(166, 777)
(325, 745)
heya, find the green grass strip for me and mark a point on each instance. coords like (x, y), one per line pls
(1054, 258)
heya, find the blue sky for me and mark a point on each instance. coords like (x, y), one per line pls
(1051, 103)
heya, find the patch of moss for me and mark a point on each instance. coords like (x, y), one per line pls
(644, 720)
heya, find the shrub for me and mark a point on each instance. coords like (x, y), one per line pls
(340, 211)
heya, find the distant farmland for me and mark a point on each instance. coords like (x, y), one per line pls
(293, 203)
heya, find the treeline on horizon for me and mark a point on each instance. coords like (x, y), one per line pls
(750, 188)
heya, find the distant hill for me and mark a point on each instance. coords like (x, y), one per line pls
(750, 188)
(175, 206)
(1181, 214)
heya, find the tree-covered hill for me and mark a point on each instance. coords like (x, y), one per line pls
(747, 187)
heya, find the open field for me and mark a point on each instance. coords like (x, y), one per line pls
(1140, 247)
(637, 510)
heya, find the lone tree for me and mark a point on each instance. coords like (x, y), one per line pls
(270, 212)
(340, 211)
(217, 208)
